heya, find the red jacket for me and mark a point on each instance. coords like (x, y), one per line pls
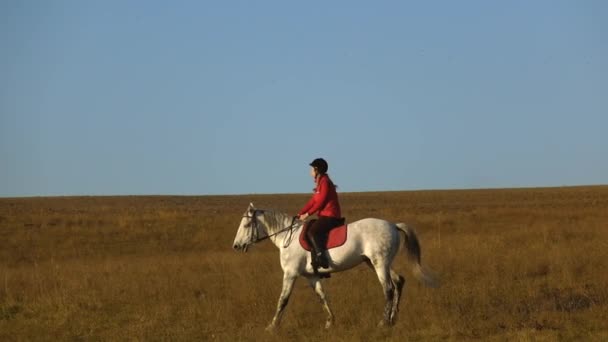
(324, 200)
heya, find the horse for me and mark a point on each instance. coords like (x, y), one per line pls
(370, 240)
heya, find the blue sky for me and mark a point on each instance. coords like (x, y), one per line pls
(237, 97)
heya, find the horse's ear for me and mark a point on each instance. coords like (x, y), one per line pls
(251, 205)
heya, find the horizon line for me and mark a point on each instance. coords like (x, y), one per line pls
(300, 193)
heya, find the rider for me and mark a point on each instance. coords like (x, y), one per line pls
(325, 202)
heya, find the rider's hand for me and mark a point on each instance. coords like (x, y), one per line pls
(303, 216)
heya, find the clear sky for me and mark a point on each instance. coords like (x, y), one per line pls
(236, 97)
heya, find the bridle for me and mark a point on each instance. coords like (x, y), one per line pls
(254, 231)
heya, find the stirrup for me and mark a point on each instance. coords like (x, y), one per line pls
(315, 269)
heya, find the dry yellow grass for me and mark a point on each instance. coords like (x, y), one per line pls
(516, 264)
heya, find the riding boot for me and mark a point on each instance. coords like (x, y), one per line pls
(319, 259)
(313, 256)
(315, 260)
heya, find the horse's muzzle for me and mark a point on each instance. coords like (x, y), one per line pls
(240, 248)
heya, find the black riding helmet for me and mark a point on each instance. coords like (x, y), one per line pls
(320, 164)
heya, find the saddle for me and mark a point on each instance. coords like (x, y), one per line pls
(335, 237)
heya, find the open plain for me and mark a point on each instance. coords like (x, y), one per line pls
(515, 264)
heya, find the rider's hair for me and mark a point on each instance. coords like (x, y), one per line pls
(328, 178)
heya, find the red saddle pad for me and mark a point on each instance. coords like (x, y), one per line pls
(336, 238)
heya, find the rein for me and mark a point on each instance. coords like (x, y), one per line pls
(254, 231)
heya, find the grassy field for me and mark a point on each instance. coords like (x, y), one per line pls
(515, 264)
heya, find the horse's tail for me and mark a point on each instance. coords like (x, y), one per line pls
(413, 252)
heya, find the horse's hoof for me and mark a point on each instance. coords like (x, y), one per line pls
(328, 324)
(384, 324)
(271, 328)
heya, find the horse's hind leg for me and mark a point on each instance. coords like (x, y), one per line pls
(315, 283)
(384, 276)
(398, 283)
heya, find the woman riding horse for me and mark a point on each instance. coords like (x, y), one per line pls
(325, 202)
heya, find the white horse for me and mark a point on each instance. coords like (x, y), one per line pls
(370, 240)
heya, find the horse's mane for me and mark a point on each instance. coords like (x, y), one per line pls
(275, 220)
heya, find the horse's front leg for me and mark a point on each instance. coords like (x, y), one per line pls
(315, 283)
(288, 281)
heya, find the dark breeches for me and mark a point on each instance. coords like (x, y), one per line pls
(319, 228)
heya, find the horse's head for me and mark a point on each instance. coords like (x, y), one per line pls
(248, 231)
